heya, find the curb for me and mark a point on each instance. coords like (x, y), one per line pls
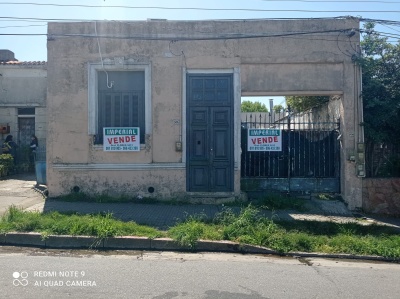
(43, 192)
(160, 244)
(126, 242)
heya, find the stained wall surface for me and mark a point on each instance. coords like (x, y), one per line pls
(266, 57)
(23, 85)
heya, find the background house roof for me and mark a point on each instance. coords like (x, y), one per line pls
(7, 57)
(16, 62)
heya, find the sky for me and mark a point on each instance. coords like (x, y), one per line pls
(23, 17)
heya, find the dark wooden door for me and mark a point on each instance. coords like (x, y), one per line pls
(210, 160)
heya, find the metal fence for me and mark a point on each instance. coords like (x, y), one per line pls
(310, 147)
(382, 159)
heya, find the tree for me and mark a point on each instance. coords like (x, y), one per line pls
(249, 106)
(303, 103)
(380, 63)
(279, 108)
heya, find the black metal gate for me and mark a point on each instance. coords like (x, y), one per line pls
(308, 162)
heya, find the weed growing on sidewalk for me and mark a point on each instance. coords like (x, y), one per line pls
(281, 202)
(55, 223)
(248, 227)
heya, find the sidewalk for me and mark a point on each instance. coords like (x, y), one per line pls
(163, 216)
(19, 190)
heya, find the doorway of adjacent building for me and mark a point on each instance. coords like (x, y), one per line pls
(210, 133)
(26, 128)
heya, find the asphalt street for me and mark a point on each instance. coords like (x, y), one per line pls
(35, 273)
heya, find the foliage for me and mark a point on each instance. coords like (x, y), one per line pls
(279, 108)
(277, 201)
(98, 225)
(304, 103)
(250, 227)
(23, 154)
(191, 230)
(380, 63)
(249, 106)
(247, 226)
(6, 164)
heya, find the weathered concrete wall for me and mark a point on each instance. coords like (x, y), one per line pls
(306, 64)
(381, 196)
(23, 85)
(328, 112)
(116, 182)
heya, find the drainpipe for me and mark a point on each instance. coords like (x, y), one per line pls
(289, 149)
(271, 109)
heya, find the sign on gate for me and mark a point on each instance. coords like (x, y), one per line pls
(121, 139)
(264, 140)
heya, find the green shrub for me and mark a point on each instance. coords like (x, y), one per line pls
(6, 164)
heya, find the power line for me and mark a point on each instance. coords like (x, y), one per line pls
(337, 1)
(18, 26)
(388, 22)
(377, 21)
(390, 28)
(393, 35)
(230, 36)
(19, 19)
(44, 19)
(199, 8)
(171, 38)
(23, 34)
(182, 38)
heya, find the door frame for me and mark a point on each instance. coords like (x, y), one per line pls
(236, 117)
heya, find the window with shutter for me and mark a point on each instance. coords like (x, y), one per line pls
(121, 101)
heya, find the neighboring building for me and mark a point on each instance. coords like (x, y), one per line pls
(23, 91)
(181, 82)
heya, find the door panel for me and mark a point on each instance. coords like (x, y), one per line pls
(221, 175)
(209, 133)
(199, 144)
(199, 177)
(220, 143)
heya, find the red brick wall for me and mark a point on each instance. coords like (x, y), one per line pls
(381, 196)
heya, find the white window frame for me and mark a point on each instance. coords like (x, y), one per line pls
(93, 69)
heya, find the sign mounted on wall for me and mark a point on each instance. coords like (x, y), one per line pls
(121, 139)
(264, 140)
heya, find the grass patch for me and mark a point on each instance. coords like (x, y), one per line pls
(276, 201)
(55, 223)
(248, 226)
